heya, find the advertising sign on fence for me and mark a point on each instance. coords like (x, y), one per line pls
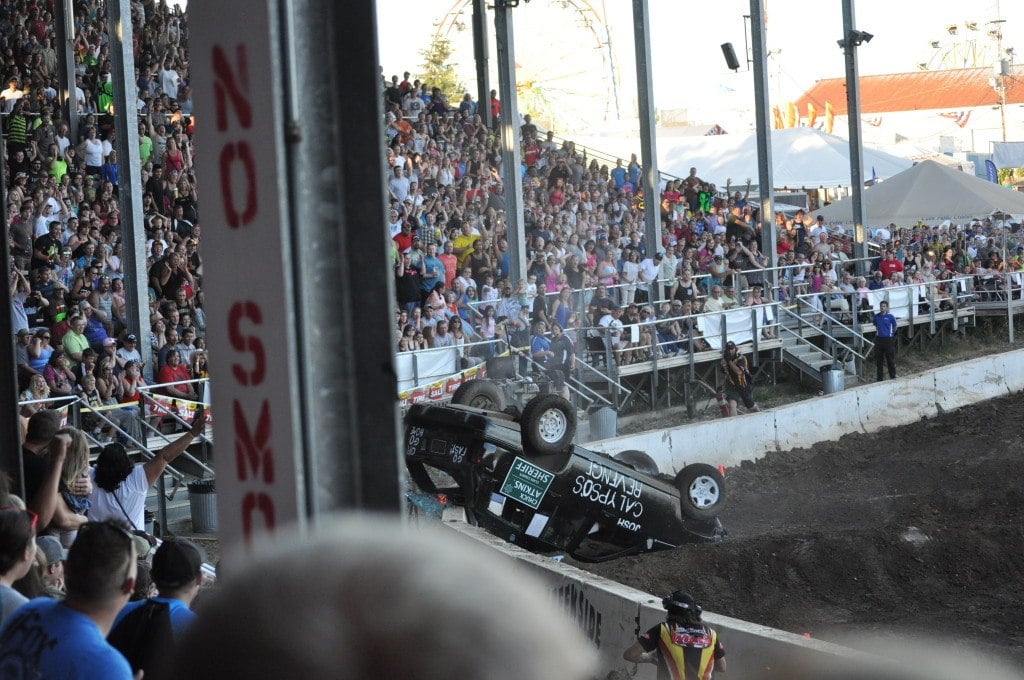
(440, 390)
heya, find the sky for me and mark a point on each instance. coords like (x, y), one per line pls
(686, 57)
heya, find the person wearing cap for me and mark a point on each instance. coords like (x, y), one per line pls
(55, 555)
(683, 646)
(177, 573)
(129, 351)
(739, 385)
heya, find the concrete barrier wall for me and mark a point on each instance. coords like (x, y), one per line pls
(612, 616)
(867, 408)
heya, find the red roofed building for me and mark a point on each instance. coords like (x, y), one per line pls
(926, 106)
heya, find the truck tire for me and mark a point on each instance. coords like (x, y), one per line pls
(479, 394)
(548, 425)
(701, 491)
(638, 460)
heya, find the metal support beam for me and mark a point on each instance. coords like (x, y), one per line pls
(308, 387)
(765, 183)
(129, 170)
(511, 153)
(64, 32)
(648, 143)
(481, 59)
(10, 443)
(849, 45)
(335, 149)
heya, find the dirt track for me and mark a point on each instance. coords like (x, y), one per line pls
(915, 529)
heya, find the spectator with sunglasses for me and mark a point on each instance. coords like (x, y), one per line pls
(50, 639)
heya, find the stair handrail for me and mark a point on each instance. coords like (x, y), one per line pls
(524, 353)
(835, 321)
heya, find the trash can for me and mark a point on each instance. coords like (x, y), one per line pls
(833, 378)
(202, 499)
(603, 422)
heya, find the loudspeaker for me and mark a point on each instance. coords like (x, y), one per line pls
(730, 56)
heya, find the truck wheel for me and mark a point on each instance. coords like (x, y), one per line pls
(479, 394)
(701, 491)
(638, 460)
(548, 424)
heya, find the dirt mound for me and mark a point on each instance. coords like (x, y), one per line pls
(914, 529)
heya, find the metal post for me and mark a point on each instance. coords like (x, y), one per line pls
(129, 166)
(307, 386)
(511, 154)
(335, 150)
(481, 58)
(849, 45)
(10, 443)
(648, 143)
(765, 183)
(64, 36)
(161, 508)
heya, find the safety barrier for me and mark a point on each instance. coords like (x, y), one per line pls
(867, 408)
(612, 616)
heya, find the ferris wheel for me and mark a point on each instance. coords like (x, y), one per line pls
(970, 44)
(565, 72)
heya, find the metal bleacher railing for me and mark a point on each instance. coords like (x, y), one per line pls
(143, 427)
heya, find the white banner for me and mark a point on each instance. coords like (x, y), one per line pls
(425, 366)
(1008, 154)
(901, 300)
(246, 239)
(739, 327)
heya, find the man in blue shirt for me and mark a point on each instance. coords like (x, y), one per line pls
(146, 631)
(50, 639)
(177, 574)
(885, 340)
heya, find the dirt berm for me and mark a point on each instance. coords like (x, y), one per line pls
(917, 530)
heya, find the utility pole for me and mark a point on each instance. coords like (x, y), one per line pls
(511, 154)
(851, 40)
(765, 184)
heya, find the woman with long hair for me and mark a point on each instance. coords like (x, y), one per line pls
(120, 486)
(76, 466)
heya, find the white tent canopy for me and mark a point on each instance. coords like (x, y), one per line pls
(801, 157)
(928, 192)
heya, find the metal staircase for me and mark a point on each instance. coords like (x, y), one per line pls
(814, 339)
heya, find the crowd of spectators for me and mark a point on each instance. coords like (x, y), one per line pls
(73, 337)
(63, 223)
(585, 246)
(58, 603)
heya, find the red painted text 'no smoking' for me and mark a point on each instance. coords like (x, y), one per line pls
(254, 455)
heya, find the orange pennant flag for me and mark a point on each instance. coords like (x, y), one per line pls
(812, 114)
